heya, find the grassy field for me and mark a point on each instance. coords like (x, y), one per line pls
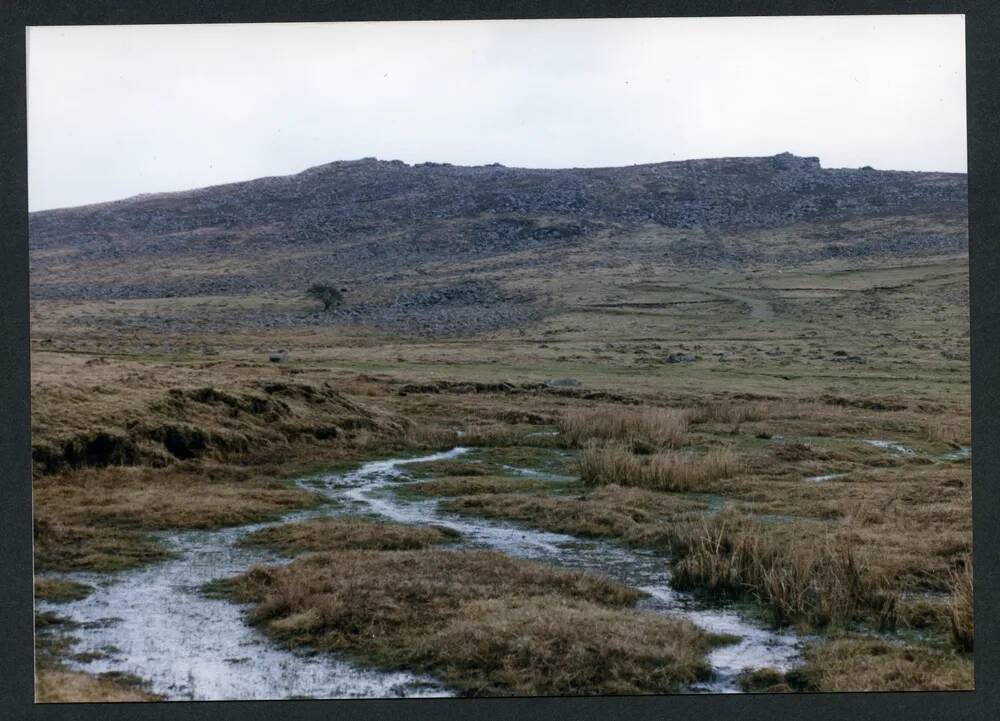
(805, 458)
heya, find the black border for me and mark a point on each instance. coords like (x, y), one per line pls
(16, 668)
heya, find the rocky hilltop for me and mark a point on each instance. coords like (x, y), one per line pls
(452, 233)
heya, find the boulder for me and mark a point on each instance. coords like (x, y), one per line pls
(681, 357)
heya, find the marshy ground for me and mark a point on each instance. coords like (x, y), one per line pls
(803, 465)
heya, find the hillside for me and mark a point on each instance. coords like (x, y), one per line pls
(715, 369)
(427, 241)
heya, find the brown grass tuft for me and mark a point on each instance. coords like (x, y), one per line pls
(58, 590)
(732, 412)
(766, 680)
(961, 606)
(810, 577)
(60, 547)
(871, 664)
(645, 429)
(423, 437)
(952, 431)
(58, 686)
(344, 534)
(667, 471)
(607, 511)
(157, 498)
(479, 620)
(472, 486)
(552, 645)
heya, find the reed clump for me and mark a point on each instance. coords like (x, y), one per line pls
(961, 606)
(641, 429)
(952, 431)
(800, 574)
(874, 664)
(664, 471)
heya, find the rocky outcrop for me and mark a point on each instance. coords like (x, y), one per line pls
(420, 230)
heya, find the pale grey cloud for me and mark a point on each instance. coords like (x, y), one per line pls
(115, 111)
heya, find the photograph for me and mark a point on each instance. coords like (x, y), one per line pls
(499, 358)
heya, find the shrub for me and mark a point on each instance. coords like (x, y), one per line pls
(328, 295)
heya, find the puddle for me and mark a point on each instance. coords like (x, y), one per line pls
(540, 475)
(194, 648)
(714, 502)
(827, 477)
(891, 445)
(961, 454)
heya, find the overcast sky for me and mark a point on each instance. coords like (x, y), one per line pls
(115, 111)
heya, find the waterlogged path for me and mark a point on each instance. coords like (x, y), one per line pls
(154, 623)
(370, 489)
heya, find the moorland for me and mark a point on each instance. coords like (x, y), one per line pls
(755, 370)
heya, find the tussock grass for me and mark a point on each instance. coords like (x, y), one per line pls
(644, 429)
(478, 620)
(58, 590)
(732, 412)
(471, 486)
(559, 515)
(156, 498)
(92, 519)
(800, 576)
(342, 534)
(60, 547)
(870, 664)
(925, 613)
(610, 511)
(665, 471)
(452, 467)
(548, 644)
(766, 680)
(961, 606)
(423, 437)
(61, 686)
(953, 431)
(501, 435)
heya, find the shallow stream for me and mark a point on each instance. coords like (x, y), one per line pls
(154, 622)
